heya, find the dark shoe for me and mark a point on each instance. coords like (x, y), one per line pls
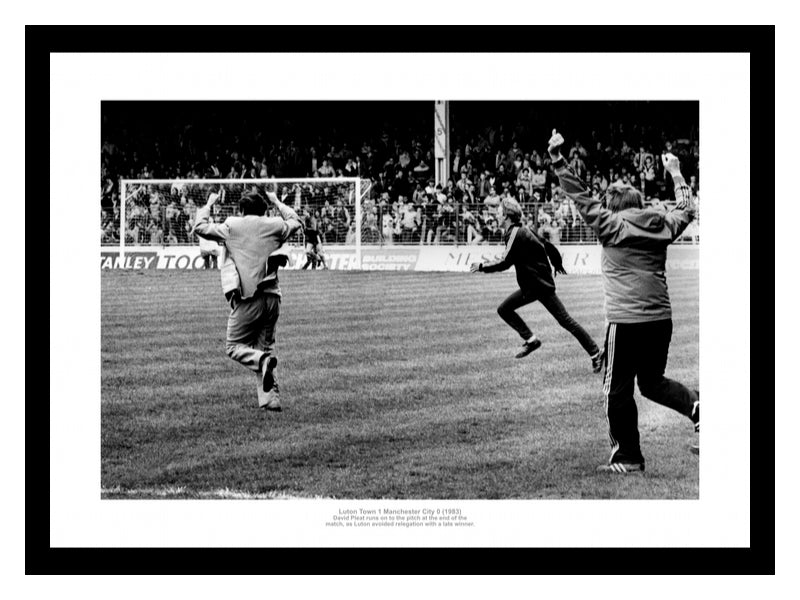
(598, 360)
(529, 347)
(269, 379)
(620, 468)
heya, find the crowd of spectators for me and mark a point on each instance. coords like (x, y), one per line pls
(402, 203)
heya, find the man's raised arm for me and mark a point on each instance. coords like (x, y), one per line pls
(206, 229)
(678, 219)
(604, 222)
(287, 214)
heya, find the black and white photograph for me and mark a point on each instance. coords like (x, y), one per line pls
(400, 300)
(360, 296)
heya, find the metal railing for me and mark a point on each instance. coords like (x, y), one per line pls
(383, 225)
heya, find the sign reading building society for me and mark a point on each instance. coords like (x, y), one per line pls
(577, 259)
(372, 259)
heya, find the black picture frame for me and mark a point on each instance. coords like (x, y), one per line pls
(758, 559)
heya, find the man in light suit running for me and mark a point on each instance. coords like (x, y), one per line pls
(251, 288)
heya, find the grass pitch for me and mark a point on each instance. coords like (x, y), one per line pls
(394, 385)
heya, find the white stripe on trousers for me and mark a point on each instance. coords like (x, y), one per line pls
(611, 343)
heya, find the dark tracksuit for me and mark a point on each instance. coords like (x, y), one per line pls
(529, 256)
(312, 240)
(637, 305)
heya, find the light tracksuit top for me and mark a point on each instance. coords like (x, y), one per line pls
(634, 251)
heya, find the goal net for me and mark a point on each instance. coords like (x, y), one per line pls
(156, 212)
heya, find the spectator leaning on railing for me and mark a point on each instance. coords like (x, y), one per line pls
(410, 222)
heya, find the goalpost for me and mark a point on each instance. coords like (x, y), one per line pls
(161, 211)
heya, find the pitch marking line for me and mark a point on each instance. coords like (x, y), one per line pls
(188, 494)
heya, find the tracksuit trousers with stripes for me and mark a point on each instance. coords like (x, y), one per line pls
(638, 350)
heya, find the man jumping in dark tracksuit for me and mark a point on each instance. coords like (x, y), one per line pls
(529, 255)
(637, 303)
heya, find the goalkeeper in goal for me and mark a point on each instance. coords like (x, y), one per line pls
(314, 255)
